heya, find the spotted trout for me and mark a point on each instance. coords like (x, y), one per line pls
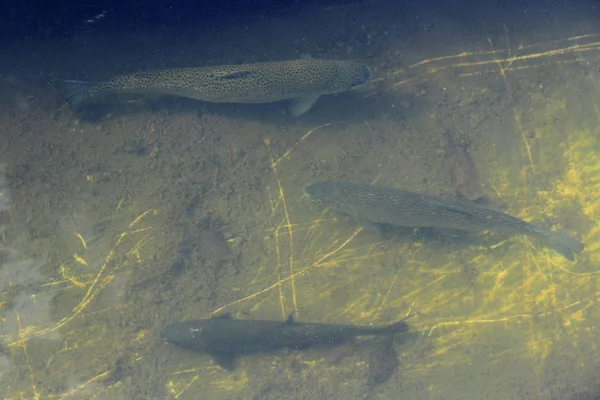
(377, 206)
(224, 338)
(302, 81)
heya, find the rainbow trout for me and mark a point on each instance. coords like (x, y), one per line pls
(224, 338)
(301, 81)
(376, 206)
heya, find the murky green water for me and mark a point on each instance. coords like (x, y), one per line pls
(171, 210)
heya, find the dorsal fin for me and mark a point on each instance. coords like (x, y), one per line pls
(290, 319)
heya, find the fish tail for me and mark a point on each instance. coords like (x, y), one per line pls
(75, 92)
(564, 244)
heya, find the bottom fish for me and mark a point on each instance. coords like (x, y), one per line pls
(379, 206)
(224, 338)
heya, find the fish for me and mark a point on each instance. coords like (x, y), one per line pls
(375, 207)
(225, 338)
(302, 80)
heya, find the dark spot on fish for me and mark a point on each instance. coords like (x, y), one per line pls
(232, 75)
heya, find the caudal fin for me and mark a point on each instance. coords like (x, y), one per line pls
(75, 92)
(564, 244)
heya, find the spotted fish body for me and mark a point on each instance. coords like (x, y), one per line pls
(376, 206)
(302, 80)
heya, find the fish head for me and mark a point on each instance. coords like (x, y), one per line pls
(349, 76)
(327, 193)
(185, 334)
(362, 74)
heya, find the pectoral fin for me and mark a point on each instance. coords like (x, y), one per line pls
(290, 320)
(301, 105)
(224, 360)
(76, 92)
